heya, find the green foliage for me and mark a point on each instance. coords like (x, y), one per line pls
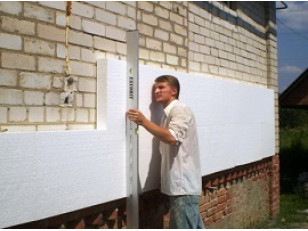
(291, 118)
(293, 146)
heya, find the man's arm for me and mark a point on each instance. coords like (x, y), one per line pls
(161, 133)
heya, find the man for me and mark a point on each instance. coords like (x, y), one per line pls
(180, 169)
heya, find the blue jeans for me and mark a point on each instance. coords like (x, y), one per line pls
(184, 213)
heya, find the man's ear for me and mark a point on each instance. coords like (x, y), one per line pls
(174, 91)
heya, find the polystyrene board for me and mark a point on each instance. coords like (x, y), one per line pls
(43, 174)
(235, 122)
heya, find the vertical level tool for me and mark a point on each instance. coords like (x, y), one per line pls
(132, 204)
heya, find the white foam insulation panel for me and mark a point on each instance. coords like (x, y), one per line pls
(43, 174)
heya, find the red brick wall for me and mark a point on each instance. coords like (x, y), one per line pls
(236, 198)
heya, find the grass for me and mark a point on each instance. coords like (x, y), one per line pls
(293, 161)
(293, 213)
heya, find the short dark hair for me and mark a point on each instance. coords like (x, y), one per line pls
(171, 80)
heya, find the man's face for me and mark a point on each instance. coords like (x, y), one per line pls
(164, 93)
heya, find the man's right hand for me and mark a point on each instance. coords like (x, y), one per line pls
(136, 116)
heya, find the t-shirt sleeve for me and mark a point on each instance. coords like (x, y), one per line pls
(179, 122)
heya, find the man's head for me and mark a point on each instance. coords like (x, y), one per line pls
(167, 88)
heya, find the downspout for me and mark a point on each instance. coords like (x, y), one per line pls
(285, 6)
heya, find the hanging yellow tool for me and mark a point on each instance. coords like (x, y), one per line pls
(68, 88)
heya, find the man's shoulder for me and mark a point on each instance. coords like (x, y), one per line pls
(180, 107)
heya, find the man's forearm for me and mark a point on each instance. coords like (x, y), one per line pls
(161, 133)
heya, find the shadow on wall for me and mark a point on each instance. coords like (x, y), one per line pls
(154, 205)
(155, 163)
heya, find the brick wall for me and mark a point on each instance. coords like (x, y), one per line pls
(211, 39)
(208, 38)
(32, 46)
(242, 197)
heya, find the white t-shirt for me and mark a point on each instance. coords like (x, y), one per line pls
(180, 170)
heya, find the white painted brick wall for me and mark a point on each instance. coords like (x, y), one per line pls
(3, 114)
(9, 41)
(54, 4)
(162, 35)
(58, 82)
(78, 99)
(16, 60)
(194, 66)
(99, 4)
(81, 126)
(182, 52)
(105, 16)
(173, 60)
(131, 12)
(144, 54)
(40, 13)
(11, 96)
(93, 27)
(36, 114)
(74, 51)
(82, 115)
(177, 39)
(80, 38)
(53, 114)
(52, 98)
(116, 7)
(169, 48)
(115, 33)
(104, 44)
(51, 33)
(11, 7)
(88, 55)
(153, 44)
(176, 18)
(35, 81)
(165, 24)
(35, 46)
(19, 128)
(84, 69)
(17, 114)
(145, 29)
(34, 98)
(8, 78)
(173, 35)
(150, 19)
(180, 30)
(92, 115)
(74, 21)
(157, 56)
(126, 23)
(89, 100)
(161, 12)
(87, 85)
(82, 9)
(58, 127)
(68, 114)
(51, 65)
(147, 6)
(121, 48)
(17, 26)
